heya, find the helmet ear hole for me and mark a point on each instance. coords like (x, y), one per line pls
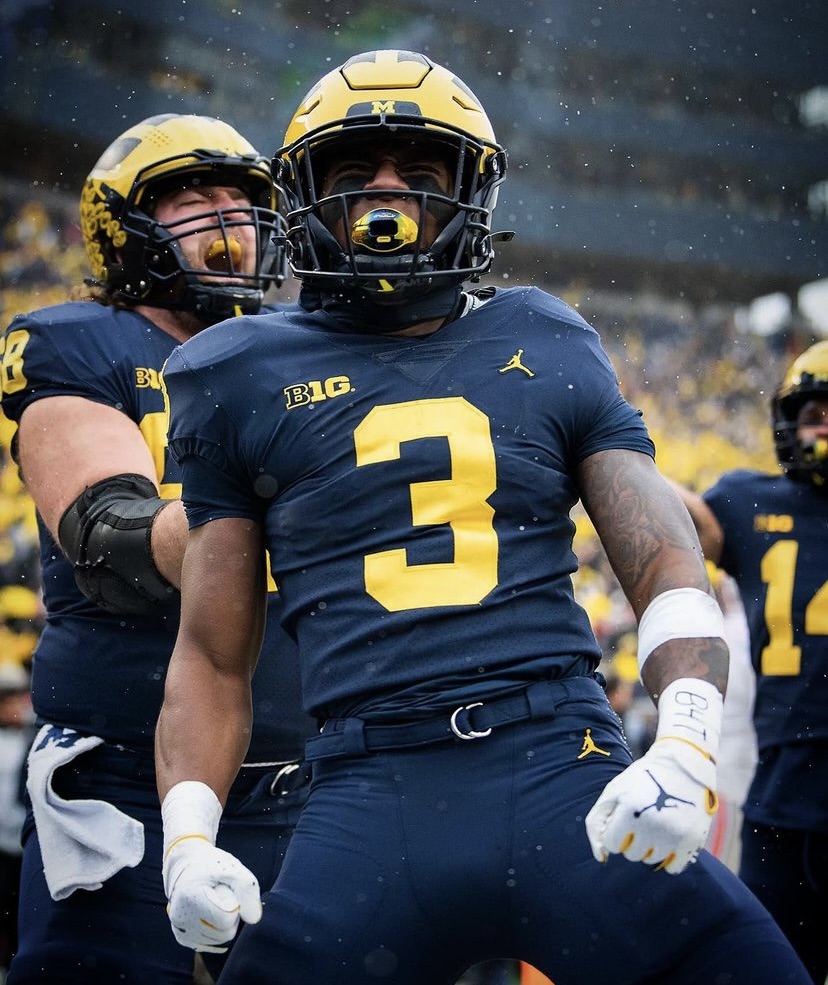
(161, 261)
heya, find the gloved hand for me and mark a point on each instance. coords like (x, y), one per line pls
(659, 810)
(208, 889)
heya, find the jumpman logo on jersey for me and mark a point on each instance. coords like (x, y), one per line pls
(661, 801)
(515, 363)
(589, 746)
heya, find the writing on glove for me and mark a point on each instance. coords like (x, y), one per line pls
(209, 892)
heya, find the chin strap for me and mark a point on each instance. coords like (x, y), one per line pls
(360, 312)
(209, 304)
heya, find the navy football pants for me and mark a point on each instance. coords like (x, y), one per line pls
(408, 866)
(120, 934)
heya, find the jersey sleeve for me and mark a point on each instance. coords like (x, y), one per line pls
(66, 350)
(614, 424)
(595, 416)
(204, 441)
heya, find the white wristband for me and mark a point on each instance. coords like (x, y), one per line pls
(691, 710)
(681, 613)
(190, 810)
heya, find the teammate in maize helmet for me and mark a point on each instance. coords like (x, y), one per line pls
(770, 532)
(178, 221)
(212, 255)
(408, 451)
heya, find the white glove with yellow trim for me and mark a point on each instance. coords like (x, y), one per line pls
(209, 891)
(659, 810)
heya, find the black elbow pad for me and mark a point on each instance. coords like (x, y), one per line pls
(106, 534)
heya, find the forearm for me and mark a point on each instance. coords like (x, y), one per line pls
(681, 637)
(705, 659)
(204, 727)
(205, 723)
(200, 743)
(683, 662)
(655, 553)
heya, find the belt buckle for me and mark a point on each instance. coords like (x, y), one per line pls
(472, 733)
(283, 773)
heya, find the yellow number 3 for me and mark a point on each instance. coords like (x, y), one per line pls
(459, 501)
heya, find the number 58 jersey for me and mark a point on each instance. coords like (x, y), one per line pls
(415, 492)
(99, 672)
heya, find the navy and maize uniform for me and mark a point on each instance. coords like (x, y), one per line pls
(415, 494)
(102, 674)
(775, 546)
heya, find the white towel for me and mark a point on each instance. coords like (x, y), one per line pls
(83, 842)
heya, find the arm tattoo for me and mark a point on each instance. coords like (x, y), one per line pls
(646, 531)
(707, 659)
(652, 546)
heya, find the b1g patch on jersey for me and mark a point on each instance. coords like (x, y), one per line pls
(147, 377)
(314, 391)
(773, 523)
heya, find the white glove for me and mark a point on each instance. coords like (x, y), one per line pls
(209, 891)
(659, 810)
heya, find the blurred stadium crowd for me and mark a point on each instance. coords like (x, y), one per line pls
(701, 379)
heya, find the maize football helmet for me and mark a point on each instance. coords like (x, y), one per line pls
(136, 259)
(396, 98)
(806, 379)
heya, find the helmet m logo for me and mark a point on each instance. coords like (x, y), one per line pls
(378, 107)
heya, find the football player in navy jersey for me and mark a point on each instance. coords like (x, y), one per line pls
(409, 452)
(178, 221)
(770, 532)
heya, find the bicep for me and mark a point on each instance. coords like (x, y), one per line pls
(69, 443)
(644, 528)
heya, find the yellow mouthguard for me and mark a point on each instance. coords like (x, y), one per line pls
(230, 248)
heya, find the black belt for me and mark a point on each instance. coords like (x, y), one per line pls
(357, 737)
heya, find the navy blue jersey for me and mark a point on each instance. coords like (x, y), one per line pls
(415, 491)
(99, 672)
(775, 546)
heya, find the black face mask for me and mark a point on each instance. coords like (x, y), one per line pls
(377, 263)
